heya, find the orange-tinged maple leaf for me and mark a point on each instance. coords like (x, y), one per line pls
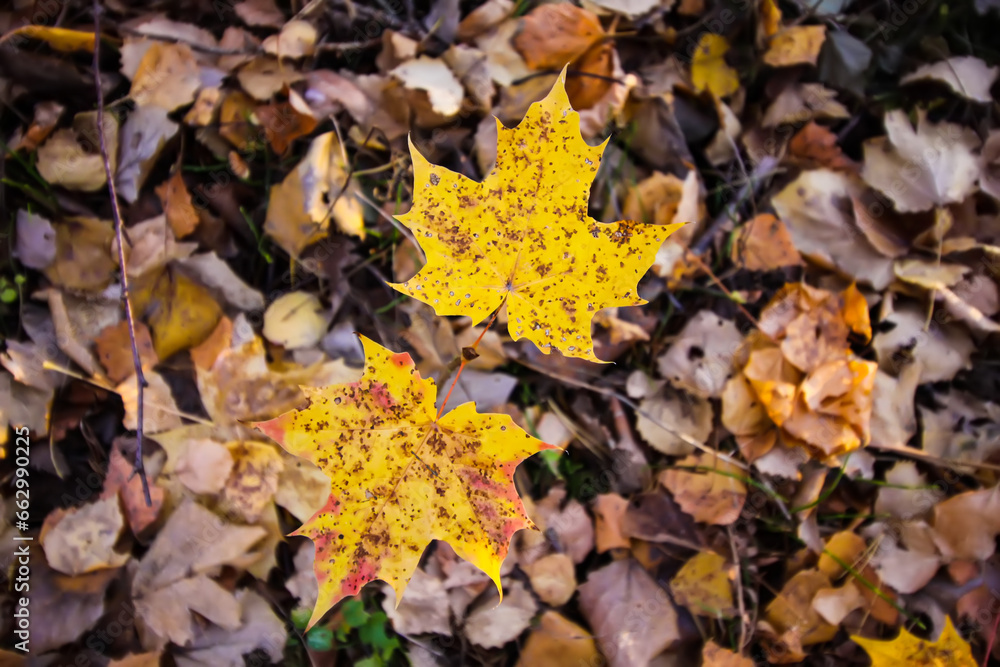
(401, 477)
(523, 235)
(950, 650)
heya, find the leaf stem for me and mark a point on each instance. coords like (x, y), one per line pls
(466, 360)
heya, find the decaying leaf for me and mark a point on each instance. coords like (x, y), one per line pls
(540, 253)
(921, 168)
(632, 618)
(404, 476)
(83, 540)
(797, 45)
(712, 492)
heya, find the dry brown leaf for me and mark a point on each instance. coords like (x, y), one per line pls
(114, 350)
(180, 312)
(968, 76)
(921, 168)
(253, 481)
(766, 245)
(553, 578)
(142, 137)
(558, 642)
(264, 76)
(966, 525)
(83, 254)
(825, 232)
(792, 615)
(297, 39)
(713, 655)
(300, 208)
(688, 415)
(552, 35)
(81, 540)
(484, 17)
(491, 625)
(632, 618)
(591, 78)
(72, 157)
(423, 609)
(168, 76)
(802, 103)
(160, 411)
(121, 482)
(701, 357)
(703, 586)
(436, 94)
(260, 13)
(940, 352)
(177, 205)
(713, 494)
(171, 580)
(816, 146)
(609, 512)
(283, 124)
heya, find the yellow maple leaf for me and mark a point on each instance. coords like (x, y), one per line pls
(523, 236)
(709, 70)
(401, 476)
(950, 650)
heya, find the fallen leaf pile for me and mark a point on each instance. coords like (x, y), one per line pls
(626, 332)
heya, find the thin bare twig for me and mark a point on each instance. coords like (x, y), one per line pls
(140, 379)
(764, 169)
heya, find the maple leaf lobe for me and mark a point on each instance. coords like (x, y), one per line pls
(523, 236)
(401, 477)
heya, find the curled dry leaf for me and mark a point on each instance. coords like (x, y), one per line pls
(433, 78)
(712, 493)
